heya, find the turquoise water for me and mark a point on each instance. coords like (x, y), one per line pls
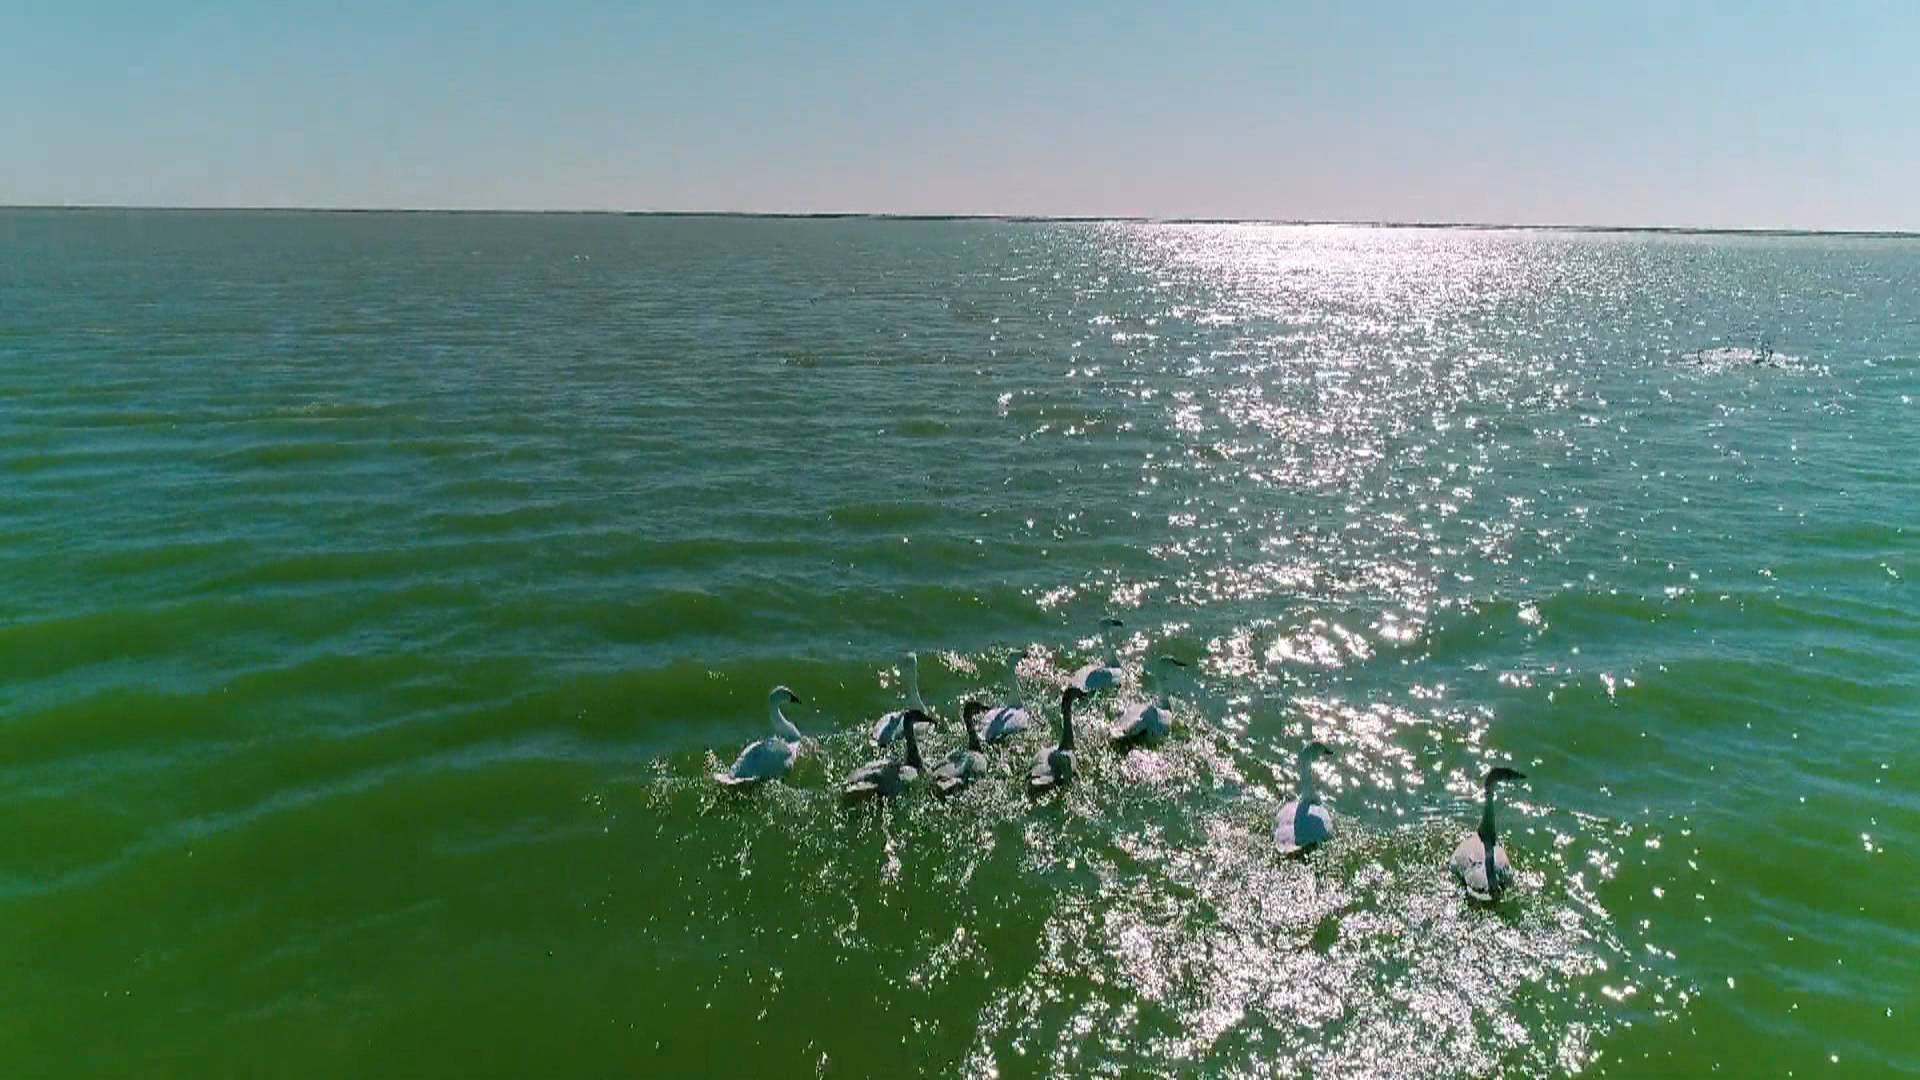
(377, 593)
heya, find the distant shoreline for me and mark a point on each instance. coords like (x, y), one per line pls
(1481, 226)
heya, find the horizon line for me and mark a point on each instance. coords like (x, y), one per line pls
(872, 215)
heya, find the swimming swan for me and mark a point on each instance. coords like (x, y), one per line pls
(1054, 767)
(886, 777)
(1102, 676)
(1149, 721)
(964, 765)
(887, 728)
(1486, 878)
(771, 757)
(1304, 822)
(1006, 721)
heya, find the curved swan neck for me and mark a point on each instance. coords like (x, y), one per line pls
(913, 742)
(782, 726)
(1106, 641)
(913, 683)
(1488, 834)
(1308, 793)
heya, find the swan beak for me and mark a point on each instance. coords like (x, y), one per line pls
(797, 699)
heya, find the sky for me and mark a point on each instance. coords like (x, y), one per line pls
(1773, 114)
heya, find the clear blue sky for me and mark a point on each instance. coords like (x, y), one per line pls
(1760, 114)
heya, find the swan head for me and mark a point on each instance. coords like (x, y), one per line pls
(782, 696)
(1111, 623)
(1070, 695)
(1500, 774)
(1315, 750)
(971, 708)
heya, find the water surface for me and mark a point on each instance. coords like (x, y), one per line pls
(377, 593)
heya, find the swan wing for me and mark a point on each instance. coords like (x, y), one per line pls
(762, 760)
(1146, 720)
(1500, 868)
(878, 778)
(1298, 827)
(1094, 677)
(1005, 722)
(1469, 866)
(1042, 775)
(961, 768)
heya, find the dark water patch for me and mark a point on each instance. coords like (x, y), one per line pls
(293, 454)
(887, 515)
(543, 518)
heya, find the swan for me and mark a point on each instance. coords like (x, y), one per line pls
(1102, 676)
(1149, 721)
(966, 764)
(1485, 876)
(1006, 721)
(888, 727)
(886, 777)
(1054, 767)
(771, 757)
(1304, 822)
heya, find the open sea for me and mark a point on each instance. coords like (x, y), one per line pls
(379, 592)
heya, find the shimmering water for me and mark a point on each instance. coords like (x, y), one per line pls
(378, 591)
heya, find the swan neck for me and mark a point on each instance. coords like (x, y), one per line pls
(913, 743)
(1160, 697)
(1488, 835)
(782, 726)
(1106, 641)
(1013, 680)
(1066, 723)
(973, 734)
(913, 686)
(1308, 792)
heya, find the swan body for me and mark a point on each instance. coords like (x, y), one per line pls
(966, 764)
(1005, 721)
(773, 756)
(1105, 675)
(1148, 721)
(1480, 862)
(1054, 766)
(888, 727)
(1304, 822)
(886, 777)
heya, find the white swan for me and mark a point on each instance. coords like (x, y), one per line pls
(1104, 675)
(1304, 822)
(964, 765)
(1006, 721)
(1149, 721)
(1054, 767)
(1480, 862)
(888, 727)
(771, 757)
(886, 777)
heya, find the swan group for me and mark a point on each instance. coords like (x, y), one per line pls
(1479, 863)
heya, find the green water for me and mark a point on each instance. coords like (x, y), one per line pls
(377, 593)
